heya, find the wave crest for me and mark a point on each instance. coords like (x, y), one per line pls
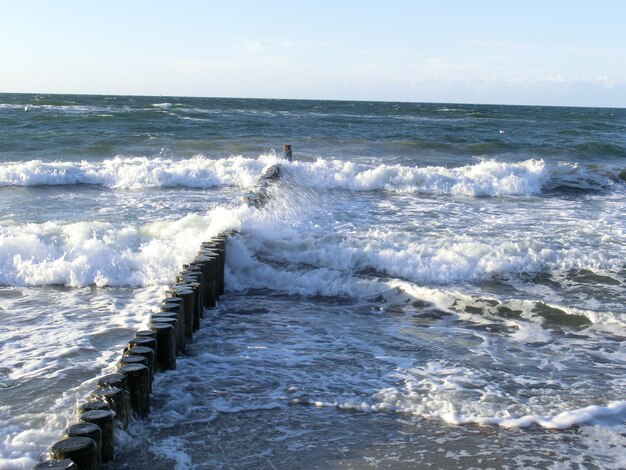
(137, 172)
(484, 178)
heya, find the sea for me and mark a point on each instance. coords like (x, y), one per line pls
(429, 285)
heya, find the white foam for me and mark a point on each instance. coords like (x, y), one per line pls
(314, 255)
(486, 178)
(57, 350)
(173, 448)
(138, 172)
(60, 108)
(458, 395)
(20, 448)
(103, 254)
(328, 262)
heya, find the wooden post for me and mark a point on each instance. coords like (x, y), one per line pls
(166, 345)
(287, 152)
(146, 352)
(147, 333)
(118, 400)
(197, 302)
(93, 405)
(129, 359)
(211, 264)
(172, 298)
(104, 420)
(170, 318)
(82, 450)
(143, 340)
(117, 380)
(187, 294)
(138, 377)
(90, 430)
(201, 263)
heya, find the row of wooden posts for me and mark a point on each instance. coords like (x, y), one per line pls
(124, 395)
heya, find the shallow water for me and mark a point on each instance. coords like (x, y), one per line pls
(254, 392)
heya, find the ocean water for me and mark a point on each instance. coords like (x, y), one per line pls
(431, 284)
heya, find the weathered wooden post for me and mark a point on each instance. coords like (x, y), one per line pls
(201, 263)
(116, 380)
(138, 377)
(166, 345)
(215, 256)
(104, 420)
(143, 340)
(83, 451)
(130, 359)
(287, 152)
(148, 354)
(90, 430)
(198, 313)
(186, 293)
(221, 243)
(192, 275)
(169, 318)
(118, 400)
(148, 340)
(92, 405)
(171, 297)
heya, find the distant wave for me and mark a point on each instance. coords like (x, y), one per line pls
(136, 173)
(484, 178)
(62, 108)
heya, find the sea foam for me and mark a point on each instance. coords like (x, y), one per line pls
(483, 178)
(486, 178)
(103, 254)
(137, 172)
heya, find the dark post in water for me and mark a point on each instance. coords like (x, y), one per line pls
(287, 152)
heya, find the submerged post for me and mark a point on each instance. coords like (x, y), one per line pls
(287, 152)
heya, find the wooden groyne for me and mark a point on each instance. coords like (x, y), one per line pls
(123, 396)
(260, 195)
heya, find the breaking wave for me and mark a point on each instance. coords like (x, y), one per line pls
(484, 178)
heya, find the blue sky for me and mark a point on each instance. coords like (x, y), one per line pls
(548, 52)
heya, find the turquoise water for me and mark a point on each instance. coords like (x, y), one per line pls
(435, 284)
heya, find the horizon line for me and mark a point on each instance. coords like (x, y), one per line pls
(468, 103)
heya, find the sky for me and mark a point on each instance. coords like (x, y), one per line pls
(538, 52)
